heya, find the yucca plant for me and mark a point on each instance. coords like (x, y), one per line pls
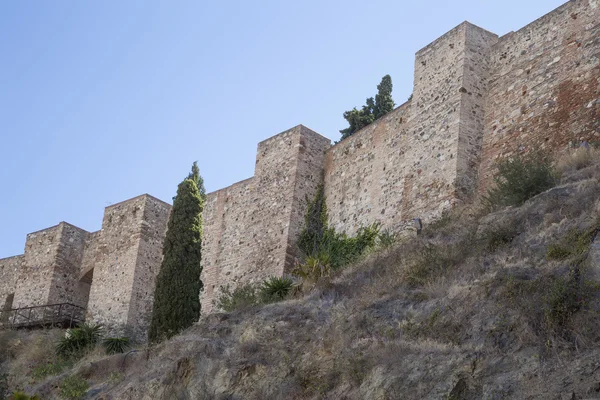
(114, 345)
(275, 289)
(78, 339)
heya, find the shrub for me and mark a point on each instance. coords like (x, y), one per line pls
(275, 289)
(241, 297)
(519, 178)
(115, 345)
(78, 339)
(73, 388)
(386, 239)
(575, 243)
(313, 269)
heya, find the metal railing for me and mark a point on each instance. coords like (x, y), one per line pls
(63, 315)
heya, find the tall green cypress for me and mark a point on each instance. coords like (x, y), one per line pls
(196, 177)
(178, 285)
(383, 99)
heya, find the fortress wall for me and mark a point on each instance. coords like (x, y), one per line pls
(65, 286)
(246, 225)
(545, 85)
(307, 176)
(364, 174)
(149, 257)
(9, 271)
(224, 243)
(475, 80)
(114, 265)
(37, 272)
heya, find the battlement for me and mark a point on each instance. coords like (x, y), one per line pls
(477, 97)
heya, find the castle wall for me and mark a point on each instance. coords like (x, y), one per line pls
(37, 272)
(248, 228)
(65, 287)
(149, 257)
(544, 91)
(114, 260)
(9, 271)
(364, 174)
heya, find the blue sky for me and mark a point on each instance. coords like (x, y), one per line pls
(102, 101)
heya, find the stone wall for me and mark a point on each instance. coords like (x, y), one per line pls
(9, 271)
(365, 174)
(149, 257)
(544, 91)
(37, 272)
(477, 98)
(250, 227)
(128, 247)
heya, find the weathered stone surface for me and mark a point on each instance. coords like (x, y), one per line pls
(251, 226)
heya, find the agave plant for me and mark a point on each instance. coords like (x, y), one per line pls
(114, 345)
(275, 289)
(79, 339)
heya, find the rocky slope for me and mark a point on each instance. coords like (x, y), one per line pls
(502, 305)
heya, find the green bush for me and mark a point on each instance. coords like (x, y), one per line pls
(519, 178)
(275, 289)
(241, 297)
(115, 345)
(73, 388)
(79, 339)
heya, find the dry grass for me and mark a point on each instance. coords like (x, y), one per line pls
(472, 308)
(577, 160)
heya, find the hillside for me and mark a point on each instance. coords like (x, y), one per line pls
(481, 305)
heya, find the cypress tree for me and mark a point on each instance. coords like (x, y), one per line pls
(196, 177)
(383, 99)
(178, 285)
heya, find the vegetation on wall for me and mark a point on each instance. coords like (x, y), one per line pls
(324, 248)
(374, 108)
(178, 284)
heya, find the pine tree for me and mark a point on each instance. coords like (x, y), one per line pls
(383, 99)
(178, 284)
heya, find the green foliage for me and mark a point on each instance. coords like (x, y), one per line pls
(383, 99)
(78, 339)
(386, 239)
(73, 388)
(178, 285)
(23, 396)
(115, 345)
(313, 269)
(241, 297)
(325, 248)
(372, 110)
(575, 243)
(275, 289)
(41, 371)
(196, 177)
(315, 224)
(519, 178)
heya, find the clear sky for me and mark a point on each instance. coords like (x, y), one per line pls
(101, 101)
